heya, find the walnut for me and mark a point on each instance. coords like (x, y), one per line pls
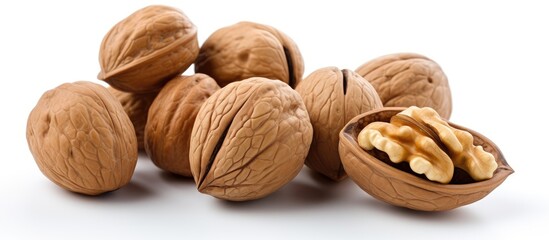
(81, 139)
(397, 184)
(409, 79)
(248, 49)
(249, 139)
(171, 119)
(404, 143)
(151, 46)
(458, 144)
(429, 144)
(333, 97)
(136, 105)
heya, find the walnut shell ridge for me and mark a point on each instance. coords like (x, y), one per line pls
(409, 79)
(397, 185)
(136, 106)
(146, 49)
(248, 49)
(81, 138)
(171, 120)
(333, 97)
(249, 139)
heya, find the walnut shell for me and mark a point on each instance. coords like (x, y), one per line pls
(148, 48)
(136, 106)
(409, 79)
(249, 139)
(397, 185)
(81, 139)
(248, 49)
(171, 119)
(333, 97)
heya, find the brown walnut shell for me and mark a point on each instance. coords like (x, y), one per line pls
(248, 49)
(136, 105)
(148, 48)
(398, 185)
(333, 97)
(81, 138)
(409, 79)
(249, 139)
(171, 119)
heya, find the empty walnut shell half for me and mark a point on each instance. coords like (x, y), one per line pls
(333, 97)
(171, 119)
(409, 79)
(148, 48)
(248, 49)
(81, 139)
(398, 185)
(249, 139)
(136, 105)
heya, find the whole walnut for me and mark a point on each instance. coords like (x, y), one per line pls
(249, 139)
(136, 105)
(171, 119)
(146, 49)
(248, 49)
(409, 79)
(333, 97)
(81, 139)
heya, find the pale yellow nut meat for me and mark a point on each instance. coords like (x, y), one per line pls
(404, 144)
(473, 159)
(392, 183)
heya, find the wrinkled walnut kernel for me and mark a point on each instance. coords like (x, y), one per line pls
(394, 183)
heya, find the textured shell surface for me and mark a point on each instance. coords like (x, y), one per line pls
(136, 107)
(333, 97)
(409, 79)
(171, 119)
(81, 138)
(146, 49)
(248, 49)
(249, 139)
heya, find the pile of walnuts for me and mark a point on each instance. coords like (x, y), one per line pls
(242, 126)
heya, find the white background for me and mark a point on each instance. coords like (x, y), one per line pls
(494, 54)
